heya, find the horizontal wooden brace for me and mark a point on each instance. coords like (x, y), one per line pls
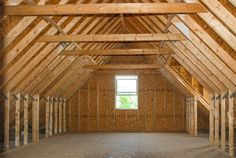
(117, 52)
(123, 66)
(103, 8)
(112, 38)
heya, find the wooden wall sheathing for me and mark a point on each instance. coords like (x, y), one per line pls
(161, 107)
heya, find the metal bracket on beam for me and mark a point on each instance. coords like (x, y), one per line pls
(23, 97)
(15, 97)
(4, 96)
(233, 94)
(44, 98)
(51, 100)
(213, 98)
(218, 97)
(226, 95)
(32, 98)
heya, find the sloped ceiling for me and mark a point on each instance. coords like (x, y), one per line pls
(38, 68)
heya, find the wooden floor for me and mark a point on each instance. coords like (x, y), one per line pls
(118, 145)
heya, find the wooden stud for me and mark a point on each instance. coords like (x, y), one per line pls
(192, 116)
(17, 120)
(50, 116)
(195, 115)
(47, 113)
(223, 136)
(231, 124)
(26, 124)
(217, 113)
(64, 115)
(35, 119)
(60, 116)
(6, 121)
(55, 116)
(211, 120)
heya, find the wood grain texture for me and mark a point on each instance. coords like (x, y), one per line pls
(104, 8)
(94, 110)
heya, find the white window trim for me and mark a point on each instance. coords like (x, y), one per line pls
(136, 94)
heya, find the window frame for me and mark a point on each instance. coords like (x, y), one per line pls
(125, 93)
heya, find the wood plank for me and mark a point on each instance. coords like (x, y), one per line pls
(47, 117)
(217, 122)
(17, 120)
(231, 124)
(26, 124)
(222, 13)
(37, 98)
(104, 8)
(60, 116)
(51, 116)
(186, 116)
(64, 115)
(112, 37)
(123, 66)
(195, 115)
(223, 136)
(35, 119)
(211, 120)
(55, 116)
(6, 120)
(117, 52)
(188, 87)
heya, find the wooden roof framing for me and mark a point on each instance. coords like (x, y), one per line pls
(34, 67)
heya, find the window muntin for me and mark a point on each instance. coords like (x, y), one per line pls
(126, 92)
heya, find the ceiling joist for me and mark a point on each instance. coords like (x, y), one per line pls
(123, 66)
(109, 52)
(104, 8)
(112, 38)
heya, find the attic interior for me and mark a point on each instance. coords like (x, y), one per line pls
(114, 79)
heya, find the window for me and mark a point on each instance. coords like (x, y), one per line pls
(126, 92)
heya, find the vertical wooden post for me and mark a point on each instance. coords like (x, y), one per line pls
(47, 118)
(216, 120)
(64, 115)
(187, 113)
(195, 115)
(17, 120)
(60, 115)
(211, 120)
(26, 106)
(6, 121)
(223, 137)
(51, 116)
(231, 124)
(55, 115)
(35, 119)
(191, 116)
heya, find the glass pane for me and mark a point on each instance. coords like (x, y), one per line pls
(126, 86)
(126, 102)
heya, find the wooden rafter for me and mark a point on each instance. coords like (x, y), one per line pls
(123, 66)
(117, 52)
(104, 8)
(112, 38)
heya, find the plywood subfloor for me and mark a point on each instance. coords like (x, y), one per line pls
(119, 145)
